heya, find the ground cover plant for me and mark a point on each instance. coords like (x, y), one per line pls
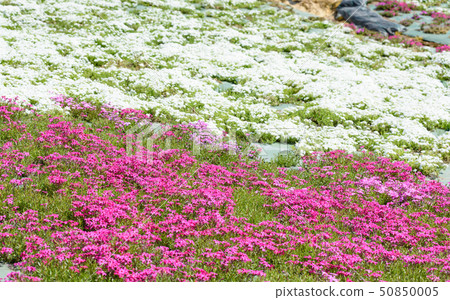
(76, 207)
(397, 38)
(417, 4)
(440, 21)
(230, 64)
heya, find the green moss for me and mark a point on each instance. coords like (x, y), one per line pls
(13, 63)
(251, 206)
(60, 25)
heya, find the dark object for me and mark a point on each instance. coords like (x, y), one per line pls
(352, 3)
(356, 12)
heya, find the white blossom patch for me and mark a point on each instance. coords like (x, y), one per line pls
(172, 58)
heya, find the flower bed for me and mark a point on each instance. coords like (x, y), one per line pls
(397, 39)
(396, 7)
(440, 21)
(172, 59)
(76, 207)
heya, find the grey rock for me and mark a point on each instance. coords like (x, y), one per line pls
(283, 106)
(5, 269)
(271, 151)
(444, 176)
(225, 86)
(438, 132)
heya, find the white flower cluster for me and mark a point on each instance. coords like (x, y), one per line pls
(231, 63)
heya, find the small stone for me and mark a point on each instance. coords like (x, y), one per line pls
(225, 86)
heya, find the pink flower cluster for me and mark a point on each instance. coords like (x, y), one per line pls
(439, 25)
(122, 117)
(399, 39)
(394, 8)
(181, 218)
(406, 41)
(443, 48)
(203, 135)
(436, 15)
